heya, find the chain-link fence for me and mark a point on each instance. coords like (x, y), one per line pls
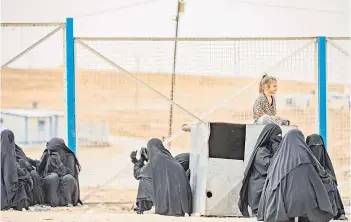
(129, 90)
(127, 85)
(339, 83)
(32, 81)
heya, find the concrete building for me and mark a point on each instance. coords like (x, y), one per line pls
(338, 100)
(301, 101)
(32, 126)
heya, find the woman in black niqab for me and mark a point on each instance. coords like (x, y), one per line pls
(36, 196)
(171, 189)
(60, 169)
(296, 184)
(15, 181)
(316, 144)
(183, 159)
(256, 170)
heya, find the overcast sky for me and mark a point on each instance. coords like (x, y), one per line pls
(201, 17)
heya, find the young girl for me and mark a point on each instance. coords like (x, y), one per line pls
(264, 108)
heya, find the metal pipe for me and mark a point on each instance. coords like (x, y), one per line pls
(338, 47)
(32, 46)
(192, 38)
(23, 24)
(135, 78)
(173, 74)
(185, 127)
(236, 93)
(340, 38)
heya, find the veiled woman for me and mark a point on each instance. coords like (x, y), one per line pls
(59, 169)
(256, 170)
(16, 182)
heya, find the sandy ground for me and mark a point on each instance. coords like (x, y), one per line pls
(103, 213)
(102, 216)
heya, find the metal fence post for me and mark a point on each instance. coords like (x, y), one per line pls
(322, 88)
(70, 81)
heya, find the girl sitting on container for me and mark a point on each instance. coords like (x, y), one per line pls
(265, 108)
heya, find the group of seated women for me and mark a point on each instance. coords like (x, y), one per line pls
(290, 177)
(52, 180)
(285, 178)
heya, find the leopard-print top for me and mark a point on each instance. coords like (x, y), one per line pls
(262, 105)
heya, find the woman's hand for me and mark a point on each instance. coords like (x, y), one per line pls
(260, 114)
(277, 120)
(133, 156)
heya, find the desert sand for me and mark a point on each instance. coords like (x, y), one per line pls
(104, 213)
(132, 111)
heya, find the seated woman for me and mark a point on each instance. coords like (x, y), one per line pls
(183, 159)
(59, 169)
(296, 185)
(171, 189)
(265, 107)
(36, 196)
(16, 182)
(256, 170)
(142, 173)
(316, 144)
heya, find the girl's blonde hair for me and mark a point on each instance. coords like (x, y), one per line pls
(266, 80)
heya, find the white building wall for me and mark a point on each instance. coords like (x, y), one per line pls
(16, 124)
(61, 130)
(36, 132)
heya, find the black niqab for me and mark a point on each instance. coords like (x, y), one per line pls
(296, 184)
(172, 192)
(59, 159)
(295, 152)
(36, 196)
(54, 146)
(9, 176)
(316, 144)
(183, 159)
(144, 198)
(20, 155)
(269, 138)
(14, 180)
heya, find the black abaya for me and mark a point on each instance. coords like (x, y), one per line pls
(15, 181)
(142, 173)
(256, 170)
(36, 196)
(59, 169)
(296, 184)
(145, 189)
(171, 189)
(316, 144)
(183, 159)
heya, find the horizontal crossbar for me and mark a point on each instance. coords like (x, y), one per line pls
(190, 38)
(339, 38)
(24, 24)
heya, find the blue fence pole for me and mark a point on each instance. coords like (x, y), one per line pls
(70, 81)
(322, 87)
